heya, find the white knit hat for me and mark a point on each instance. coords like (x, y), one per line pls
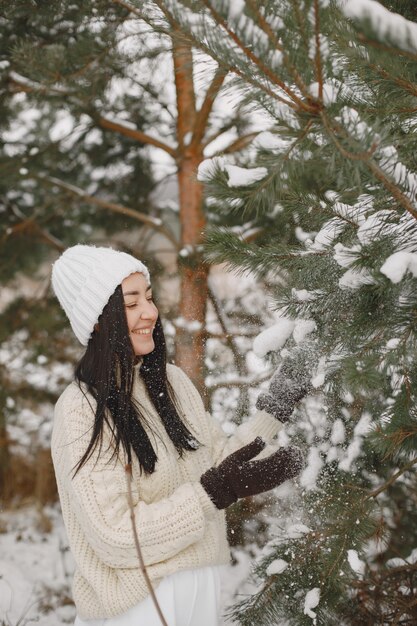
(84, 278)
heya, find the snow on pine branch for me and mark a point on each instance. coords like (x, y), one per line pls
(237, 176)
(274, 338)
(398, 264)
(312, 600)
(385, 23)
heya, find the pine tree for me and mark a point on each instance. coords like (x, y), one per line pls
(336, 82)
(92, 94)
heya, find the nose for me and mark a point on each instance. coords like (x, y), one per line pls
(148, 312)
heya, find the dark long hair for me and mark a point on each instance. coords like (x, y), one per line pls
(107, 368)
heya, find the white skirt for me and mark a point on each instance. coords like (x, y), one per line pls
(187, 598)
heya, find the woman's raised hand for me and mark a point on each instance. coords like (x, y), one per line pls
(239, 475)
(290, 383)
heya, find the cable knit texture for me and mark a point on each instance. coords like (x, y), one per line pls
(178, 525)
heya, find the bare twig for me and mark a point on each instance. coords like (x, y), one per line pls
(248, 381)
(317, 56)
(239, 143)
(239, 358)
(134, 133)
(392, 480)
(128, 474)
(203, 113)
(112, 206)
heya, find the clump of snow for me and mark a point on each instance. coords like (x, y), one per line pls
(320, 373)
(242, 176)
(273, 338)
(384, 22)
(328, 233)
(374, 225)
(354, 278)
(355, 213)
(352, 122)
(302, 295)
(345, 256)
(276, 567)
(396, 265)
(271, 141)
(238, 176)
(392, 343)
(190, 325)
(302, 329)
(354, 449)
(296, 531)
(208, 167)
(330, 92)
(236, 8)
(303, 235)
(355, 562)
(338, 432)
(311, 472)
(311, 601)
(275, 59)
(399, 172)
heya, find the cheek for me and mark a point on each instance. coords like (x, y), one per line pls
(129, 319)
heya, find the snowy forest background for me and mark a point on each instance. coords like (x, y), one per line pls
(260, 157)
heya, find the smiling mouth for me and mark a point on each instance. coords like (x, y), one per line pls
(143, 331)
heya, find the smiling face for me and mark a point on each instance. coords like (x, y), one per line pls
(141, 313)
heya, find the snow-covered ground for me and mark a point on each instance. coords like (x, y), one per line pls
(36, 570)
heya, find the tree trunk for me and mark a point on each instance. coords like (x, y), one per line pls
(189, 343)
(4, 460)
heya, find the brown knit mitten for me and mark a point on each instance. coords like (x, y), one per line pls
(239, 476)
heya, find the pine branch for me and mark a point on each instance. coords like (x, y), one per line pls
(29, 225)
(366, 158)
(392, 188)
(392, 480)
(248, 381)
(272, 37)
(218, 132)
(30, 86)
(135, 134)
(237, 144)
(404, 84)
(246, 78)
(385, 47)
(135, 11)
(238, 357)
(202, 115)
(352, 156)
(257, 61)
(152, 222)
(317, 55)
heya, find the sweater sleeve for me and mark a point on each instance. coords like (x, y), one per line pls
(262, 424)
(98, 495)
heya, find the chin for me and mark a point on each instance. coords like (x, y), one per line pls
(142, 351)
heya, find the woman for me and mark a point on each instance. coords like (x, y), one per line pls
(126, 405)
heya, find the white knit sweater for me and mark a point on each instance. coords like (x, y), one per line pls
(178, 525)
